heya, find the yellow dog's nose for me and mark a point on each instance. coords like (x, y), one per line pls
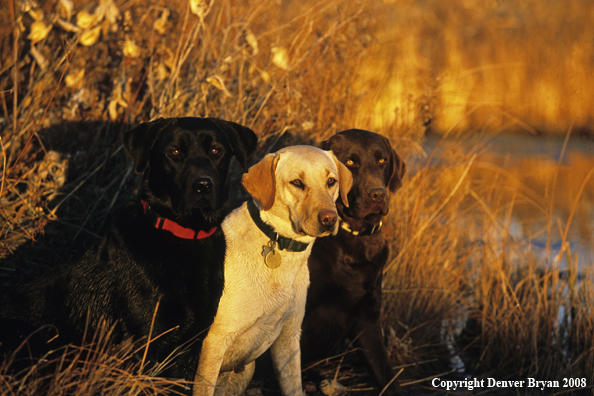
(327, 218)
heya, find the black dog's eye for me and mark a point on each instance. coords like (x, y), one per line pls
(297, 183)
(331, 182)
(215, 151)
(175, 152)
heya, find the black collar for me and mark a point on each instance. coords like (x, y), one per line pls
(370, 230)
(289, 244)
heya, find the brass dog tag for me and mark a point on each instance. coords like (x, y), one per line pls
(271, 259)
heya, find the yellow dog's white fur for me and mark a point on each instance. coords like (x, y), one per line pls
(263, 307)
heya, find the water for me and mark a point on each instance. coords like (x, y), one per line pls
(552, 221)
(550, 186)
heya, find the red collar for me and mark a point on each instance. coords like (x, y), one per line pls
(174, 228)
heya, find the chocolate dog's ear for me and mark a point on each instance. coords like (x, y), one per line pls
(397, 172)
(242, 139)
(260, 180)
(325, 145)
(138, 142)
(345, 180)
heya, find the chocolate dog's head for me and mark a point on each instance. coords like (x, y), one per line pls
(376, 169)
(185, 165)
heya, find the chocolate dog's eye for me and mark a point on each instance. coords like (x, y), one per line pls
(297, 183)
(382, 161)
(349, 163)
(331, 182)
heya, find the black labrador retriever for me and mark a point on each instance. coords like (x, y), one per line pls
(166, 250)
(344, 298)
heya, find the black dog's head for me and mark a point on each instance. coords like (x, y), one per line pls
(376, 169)
(185, 165)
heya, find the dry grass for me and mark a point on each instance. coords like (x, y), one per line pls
(257, 63)
(511, 302)
(463, 280)
(96, 367)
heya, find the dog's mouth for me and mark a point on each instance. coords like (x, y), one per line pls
(361, 218)
(201, 215)
(309, 230)
(370, 214)
(300, 230)
(203, 204)
(373, 218)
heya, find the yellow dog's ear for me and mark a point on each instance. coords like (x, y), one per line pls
(345, 180)
(260, 180)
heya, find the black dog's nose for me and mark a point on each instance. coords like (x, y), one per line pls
(327, 218)
(202, 185)
(377, 194)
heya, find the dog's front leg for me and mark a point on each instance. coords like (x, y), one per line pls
(209, 366)
(370, 342)
(286, 349)
(286, 359)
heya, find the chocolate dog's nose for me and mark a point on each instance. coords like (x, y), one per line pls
(377, 194)
(202, 185)
(327, 218)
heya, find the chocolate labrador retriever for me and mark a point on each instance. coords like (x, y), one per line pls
(164, 254)
(344, 298)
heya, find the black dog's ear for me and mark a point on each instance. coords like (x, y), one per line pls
(397, 170)
(242, 139)
(138, 142)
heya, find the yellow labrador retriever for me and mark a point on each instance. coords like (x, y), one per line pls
(269, 240)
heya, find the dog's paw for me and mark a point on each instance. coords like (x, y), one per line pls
(253, 392)
(309, 388)
(332, 388)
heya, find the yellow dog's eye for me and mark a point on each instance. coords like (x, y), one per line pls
(331, 182)
(297, 183)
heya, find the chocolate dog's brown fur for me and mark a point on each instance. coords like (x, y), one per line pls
(344, 299)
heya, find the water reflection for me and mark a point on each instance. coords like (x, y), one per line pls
(549, 182)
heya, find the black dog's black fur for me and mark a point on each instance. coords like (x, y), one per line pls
(344, 298)
(185, 165)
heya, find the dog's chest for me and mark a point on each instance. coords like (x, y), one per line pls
(268, 300)
(257, 301)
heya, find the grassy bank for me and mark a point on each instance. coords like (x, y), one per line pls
(483, 262)
(461, 282)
